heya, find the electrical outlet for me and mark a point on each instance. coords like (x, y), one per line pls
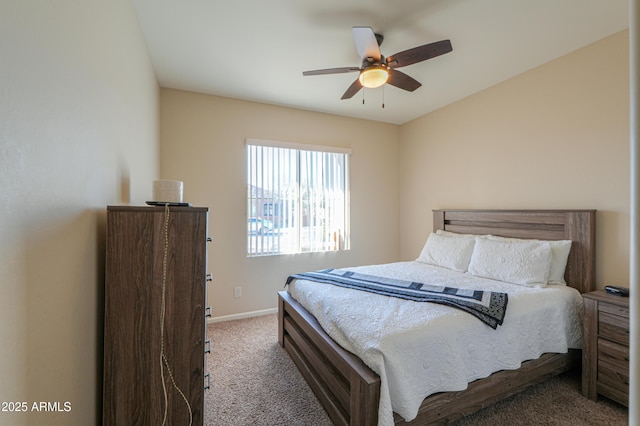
(237, 292)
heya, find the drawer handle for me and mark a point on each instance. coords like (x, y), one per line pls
(207, 346)
(207, 312)
(209, 239)
(209, 277)
(622, 379)
(207, 378)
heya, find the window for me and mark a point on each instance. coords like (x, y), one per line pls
(297, 198)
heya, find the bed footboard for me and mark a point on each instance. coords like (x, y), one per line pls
(347, 389)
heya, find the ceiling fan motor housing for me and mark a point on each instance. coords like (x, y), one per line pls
(369, 62)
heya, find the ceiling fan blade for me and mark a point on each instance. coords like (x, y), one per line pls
(331, 71)
(419, 54)
(352, 90)
(366, 43)
(402, 81)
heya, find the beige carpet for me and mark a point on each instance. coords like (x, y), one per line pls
(254, 382)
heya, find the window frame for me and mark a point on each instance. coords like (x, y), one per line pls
(341, 237)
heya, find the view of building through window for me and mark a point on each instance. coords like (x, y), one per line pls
(297, 199)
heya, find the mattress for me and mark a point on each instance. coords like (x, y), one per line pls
(419, 349)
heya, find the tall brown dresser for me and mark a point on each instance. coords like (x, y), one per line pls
(155, 307)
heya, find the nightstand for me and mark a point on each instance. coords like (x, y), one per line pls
(605, 353)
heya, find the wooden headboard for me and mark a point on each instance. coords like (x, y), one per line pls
(575, 225)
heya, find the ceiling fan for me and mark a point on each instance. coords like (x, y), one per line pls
(376, 70)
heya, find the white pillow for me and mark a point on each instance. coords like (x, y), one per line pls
(559, 254)
(525, 262)
(454, 234)
(447, 252)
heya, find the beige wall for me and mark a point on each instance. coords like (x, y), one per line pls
(78, 130)
(554, 137)
(203, 144)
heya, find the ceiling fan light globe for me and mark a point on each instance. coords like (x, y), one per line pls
(374, 77)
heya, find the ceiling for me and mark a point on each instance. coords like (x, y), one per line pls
(257, 49)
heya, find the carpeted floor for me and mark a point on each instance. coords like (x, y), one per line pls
(254, 382)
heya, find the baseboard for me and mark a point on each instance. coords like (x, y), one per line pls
(242, 315)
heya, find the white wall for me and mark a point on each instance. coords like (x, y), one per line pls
(203, 144)
(78, 131)
(554, 137)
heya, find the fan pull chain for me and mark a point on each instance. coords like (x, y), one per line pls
(362, 95)
(383, 96)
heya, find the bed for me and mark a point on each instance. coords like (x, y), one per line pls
(350, 391)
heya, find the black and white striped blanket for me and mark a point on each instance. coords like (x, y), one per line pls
(488, 306)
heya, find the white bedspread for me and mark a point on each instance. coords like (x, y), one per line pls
(419, 349)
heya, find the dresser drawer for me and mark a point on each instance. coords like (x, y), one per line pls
(613, 382)
(620, 311)
(613, 327)
(613, 353)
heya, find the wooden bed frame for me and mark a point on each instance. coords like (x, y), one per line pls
(350, 391)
